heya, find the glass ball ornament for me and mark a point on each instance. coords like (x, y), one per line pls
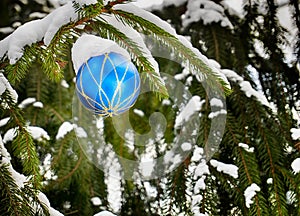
(108, 84)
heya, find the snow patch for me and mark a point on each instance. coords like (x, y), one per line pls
(295, 133)
(296, 165)
(86, 2)
(38, 104)
(88, 46)
(65, 128)
(207, 11)
(5, 86)
(246, 147)
(194, 105)
(4, 121)
(26, 102)
(96, 201)
(105, 213)
(249, 193)
(229, 169)
(139, 112)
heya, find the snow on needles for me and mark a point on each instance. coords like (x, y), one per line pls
(249, 193)
(20, 179)
(246, 87)
(207, 11)
(296, 165)
(36, 30)
(88, 46)
(67, 127)
(229, 169)
(5, 86)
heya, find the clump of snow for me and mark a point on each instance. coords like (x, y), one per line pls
(64, 84)
(5, 85)
(200, 185)
(38, 104)
(4, 121)
(216, 102)
(194, 105)
(139, 112)
(295, 133)
(9, 135)
(105, 213)
(88, 46)
(65, 128)
(229, 169)
(96, 201)
(26, 102)
(296, 165)
(207, 11)
(80, 132)
(53, 212)
(270, 181)
(186, 146)
(201, 169)
(246, 87)
(38, 133)
(217, 113)
(86, 2)
(249, 193)
(246, 147)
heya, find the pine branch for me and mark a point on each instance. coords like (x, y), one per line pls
(108, 31)
(144, 26)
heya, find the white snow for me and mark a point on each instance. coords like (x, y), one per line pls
(4, 121)
(295, 133)
(65, 128)
(42, 197)
(194, 105)
(217, 113)
(197, 154)
(105, 213)
(216, 102)
(5, 85)
(18, 178)
(6, 30)
(80, 132)
(246, 147)
(207, 11)
(249, 193)
(38, 104)
(201, 169)
(296, 165)
(9, 135)
(96, 201)
(270, 181)
(26, 102)
(247, 88)
(186, 146)
(38, 133)
(200, 185)
(229, 169)
(64, 84)
(34, 31)
(86, 2)
(139, 112)
(88, 46)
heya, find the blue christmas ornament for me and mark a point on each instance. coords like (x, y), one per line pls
(108, 84)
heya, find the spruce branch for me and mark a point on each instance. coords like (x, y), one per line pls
(203, 71)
